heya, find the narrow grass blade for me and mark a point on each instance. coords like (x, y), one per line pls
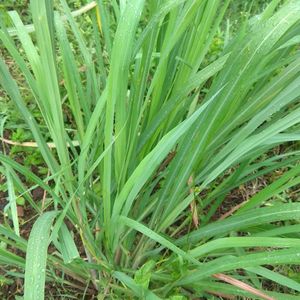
(158, 238)
(276, 277)
(276, 257)
(251, 218)
(235, 242)
(120, 62)
(8, 258)
(12, 201)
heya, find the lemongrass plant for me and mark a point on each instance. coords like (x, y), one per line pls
(162, 137)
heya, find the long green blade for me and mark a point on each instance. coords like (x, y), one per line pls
(36, 257)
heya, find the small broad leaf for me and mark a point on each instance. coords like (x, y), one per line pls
(143, 275)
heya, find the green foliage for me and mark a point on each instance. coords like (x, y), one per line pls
(36, 257)
(168, 113)
(20, 201)
(143, 275)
